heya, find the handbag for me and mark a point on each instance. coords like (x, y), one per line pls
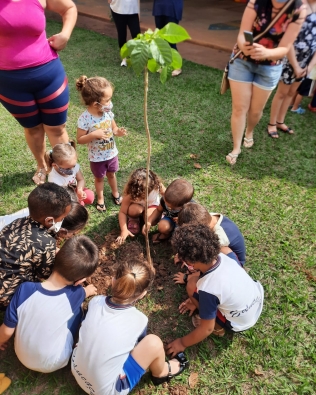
(225, 80)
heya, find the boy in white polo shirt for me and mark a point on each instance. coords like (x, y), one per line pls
(226, 296)
(46, 316)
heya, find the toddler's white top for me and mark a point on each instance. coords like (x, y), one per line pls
(61, 180)
(125, 6)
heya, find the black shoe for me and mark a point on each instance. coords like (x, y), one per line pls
(184, 364)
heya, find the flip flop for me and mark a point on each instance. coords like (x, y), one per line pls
(275, 134)
(101, 207)
(160, 238)
(39, 176)
(248, 143)
(287, 130)
(117, 200)
(232, 158)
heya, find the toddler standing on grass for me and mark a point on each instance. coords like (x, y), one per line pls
(27, 249)
(114, 350)
(64, 170)
(46, 316)
(97, 128)
(133, 203)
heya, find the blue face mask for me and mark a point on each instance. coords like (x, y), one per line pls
(65, 172)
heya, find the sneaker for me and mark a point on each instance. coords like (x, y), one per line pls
(299, 110)
(124, 62)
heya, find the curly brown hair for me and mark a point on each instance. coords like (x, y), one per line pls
(92, 89)
(196, 243)
(136, 184)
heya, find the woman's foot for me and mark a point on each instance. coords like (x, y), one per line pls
(39, 176)
(284, 128)
(232, 158)
(248, 142)
(272, 131)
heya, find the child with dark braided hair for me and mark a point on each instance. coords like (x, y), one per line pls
(133, 203)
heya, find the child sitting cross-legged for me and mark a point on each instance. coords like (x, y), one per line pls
(133, 203)
(114, 351)
(46, 316)
(64, 170)
(27, 247)
(176, 195)
(226, 296)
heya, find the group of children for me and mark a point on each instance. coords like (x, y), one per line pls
(41, 287)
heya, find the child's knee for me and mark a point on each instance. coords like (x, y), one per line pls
(165, 226)
(135, 210)
(110, 175)
(154, 342)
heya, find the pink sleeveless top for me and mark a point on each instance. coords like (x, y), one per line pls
(23, 41)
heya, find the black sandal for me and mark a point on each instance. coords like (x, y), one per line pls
(101, 207)
(117, 200)
(274, 135)
(184, 364)
(287, 130)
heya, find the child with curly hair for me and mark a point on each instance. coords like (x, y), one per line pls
(97, 128)
(64, 170)
(133, 203)
(225, 295)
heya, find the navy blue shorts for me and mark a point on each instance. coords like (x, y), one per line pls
(36, 95)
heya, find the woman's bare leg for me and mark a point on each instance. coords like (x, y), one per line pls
(241, 98)
(56, 134)
(285, 105)
(279, 97)
(35, 138)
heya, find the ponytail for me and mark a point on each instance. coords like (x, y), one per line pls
(59, 153)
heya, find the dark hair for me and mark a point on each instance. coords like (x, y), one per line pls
(196, 243)
(72, 193)
(194, 213)
(77, 218)
(78, 258)
(59, 153)
(92, 89)
(137, 181)
(179, 192)
(48, 200)
(131, 280)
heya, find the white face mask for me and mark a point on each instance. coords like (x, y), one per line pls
(106, 108)
(56, 226)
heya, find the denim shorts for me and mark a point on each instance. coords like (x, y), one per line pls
(263, 76)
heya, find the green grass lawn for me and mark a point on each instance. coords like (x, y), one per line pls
(270, 194)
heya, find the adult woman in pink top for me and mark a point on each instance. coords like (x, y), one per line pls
(33, 83)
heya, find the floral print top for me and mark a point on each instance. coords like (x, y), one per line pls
(99, 150)
(273, 37)
(27, 253)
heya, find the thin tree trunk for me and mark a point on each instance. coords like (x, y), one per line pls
(147, 164)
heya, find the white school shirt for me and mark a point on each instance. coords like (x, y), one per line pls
(226, 286)
(7, 219)
(126, 7)
(46, 323)
(61, 180)
(107, 336)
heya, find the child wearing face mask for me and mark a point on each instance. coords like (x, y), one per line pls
(27, 248)
(64, 170)
(97, 128)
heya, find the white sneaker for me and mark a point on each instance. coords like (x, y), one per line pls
(176, 72)
(124, 62)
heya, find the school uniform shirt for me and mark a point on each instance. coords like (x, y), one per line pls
(7, 219)
(125, 7)
(27, 253)
(172, 8)
(226, 286)
(46, 323)
(230, 236)
(99, 150)
(107, 336)
(63, 181)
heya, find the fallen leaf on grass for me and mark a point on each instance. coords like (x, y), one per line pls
(160, 288)
(259, 372)
(197, 166)
(193, 379)
(194, 156)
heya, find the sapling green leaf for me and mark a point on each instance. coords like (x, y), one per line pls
(152, 65)
(174, 33)
(164, 49)
(139, 57)
(176, 59)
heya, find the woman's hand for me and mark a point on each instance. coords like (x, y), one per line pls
(259, 52)
(58, 41)
(299, 72)
(246, 48)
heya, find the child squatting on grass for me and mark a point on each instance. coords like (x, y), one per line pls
(27, 249)
(226, 296)
(64, 170)
(114, 351)
(46, 316)
(176, 195)
(97, 128)
(133, 203)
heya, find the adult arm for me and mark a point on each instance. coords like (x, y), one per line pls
(247, 21)
(68, 11)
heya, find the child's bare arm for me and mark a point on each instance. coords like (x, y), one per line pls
(5, 334)
(153, 218)
(200, 333)
(90, 290)
(123, 219)
(84, 138)
(119, 132)
(162, 189)
(80, 185)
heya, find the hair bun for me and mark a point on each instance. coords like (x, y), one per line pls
(80, 82)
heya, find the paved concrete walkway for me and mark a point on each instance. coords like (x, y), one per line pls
(211, 23)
